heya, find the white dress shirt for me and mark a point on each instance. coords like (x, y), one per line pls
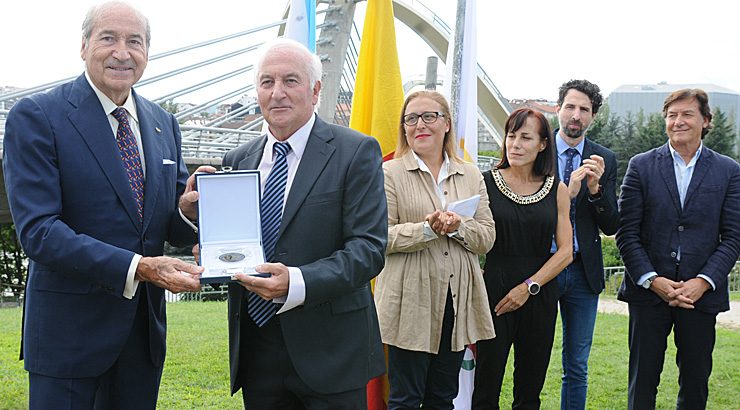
(297, 287)
(129, 289)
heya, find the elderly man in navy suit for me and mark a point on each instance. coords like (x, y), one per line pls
(679, 238)
(94, 174)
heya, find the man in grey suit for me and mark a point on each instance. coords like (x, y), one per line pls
(320, 345)
(679, 238)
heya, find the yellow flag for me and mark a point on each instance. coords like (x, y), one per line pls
(378, 97)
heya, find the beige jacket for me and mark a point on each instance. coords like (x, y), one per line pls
(411, 291)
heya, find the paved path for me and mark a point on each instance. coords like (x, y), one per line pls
(729, 319)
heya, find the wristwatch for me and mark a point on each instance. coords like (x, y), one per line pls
(598, 193)
(648, 282)
(532, 286)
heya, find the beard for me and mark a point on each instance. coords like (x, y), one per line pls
(574, 132)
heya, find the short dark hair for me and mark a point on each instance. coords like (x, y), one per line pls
(687, 94)
(544, 164)
(590, 89)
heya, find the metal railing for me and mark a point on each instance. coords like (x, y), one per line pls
(613, 277)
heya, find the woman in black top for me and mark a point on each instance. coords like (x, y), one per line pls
(530, 206)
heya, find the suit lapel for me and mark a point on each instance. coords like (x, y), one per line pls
(254, 155)
(665, 166)
(702, 167)
(151, 140)
(317, 154)
(92, 124)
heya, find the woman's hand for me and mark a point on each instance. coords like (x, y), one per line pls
(513, 300)
(443, 223)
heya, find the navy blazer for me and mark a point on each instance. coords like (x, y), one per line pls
(77, 221)
(654, 226)
(594, 215)
(334, 228)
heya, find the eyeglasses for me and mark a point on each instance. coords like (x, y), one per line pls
(428, 117)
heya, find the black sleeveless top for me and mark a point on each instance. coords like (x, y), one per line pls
(525, 226)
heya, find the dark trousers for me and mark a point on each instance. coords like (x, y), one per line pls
(131, 383)
(271, 381)
(531, 329)
(425, 380)
(694, 336)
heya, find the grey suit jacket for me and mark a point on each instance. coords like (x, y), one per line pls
(334, 228)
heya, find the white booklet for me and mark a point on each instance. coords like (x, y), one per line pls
(465, 207)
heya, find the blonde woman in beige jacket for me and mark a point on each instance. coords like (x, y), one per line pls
(431, 297)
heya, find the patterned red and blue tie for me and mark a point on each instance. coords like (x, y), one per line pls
(129, 150)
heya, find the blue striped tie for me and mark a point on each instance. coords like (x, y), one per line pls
(271, 210)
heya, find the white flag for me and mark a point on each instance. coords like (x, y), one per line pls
(464, 399)
(301, 24)
(466, 123)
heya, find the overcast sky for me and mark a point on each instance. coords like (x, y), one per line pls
(527, 48)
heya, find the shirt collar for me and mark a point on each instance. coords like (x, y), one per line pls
(423, 166)
(677, 158)
(562, 146)
(297, 141)
(109, 106)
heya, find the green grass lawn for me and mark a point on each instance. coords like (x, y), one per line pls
(196, 371)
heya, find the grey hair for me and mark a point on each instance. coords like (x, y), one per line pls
(311, 60)
(93, 14)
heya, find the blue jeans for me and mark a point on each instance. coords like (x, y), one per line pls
(578, 304)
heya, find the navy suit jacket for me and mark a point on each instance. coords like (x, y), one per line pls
(592, 215)
(654, 225)
(334, 228)
(76, 219)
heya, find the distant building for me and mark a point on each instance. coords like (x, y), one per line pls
(547, 108)
(649, 98)
(7, 105)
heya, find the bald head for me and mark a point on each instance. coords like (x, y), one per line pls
(95, 12)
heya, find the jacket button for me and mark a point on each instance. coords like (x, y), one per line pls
(680, 228)
(673, 254)
(446, 253)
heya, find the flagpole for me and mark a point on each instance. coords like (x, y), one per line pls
(457, 59)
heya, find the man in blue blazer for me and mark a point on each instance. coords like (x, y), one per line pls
(318, 349)
(679, 238)
(590, 171)
(93, 174)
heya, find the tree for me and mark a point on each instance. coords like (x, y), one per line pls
(721, 137)
(12, 261)
(169, 106)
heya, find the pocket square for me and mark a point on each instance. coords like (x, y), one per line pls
(167, 161)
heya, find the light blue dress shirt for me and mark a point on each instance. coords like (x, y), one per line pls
(561, 146)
